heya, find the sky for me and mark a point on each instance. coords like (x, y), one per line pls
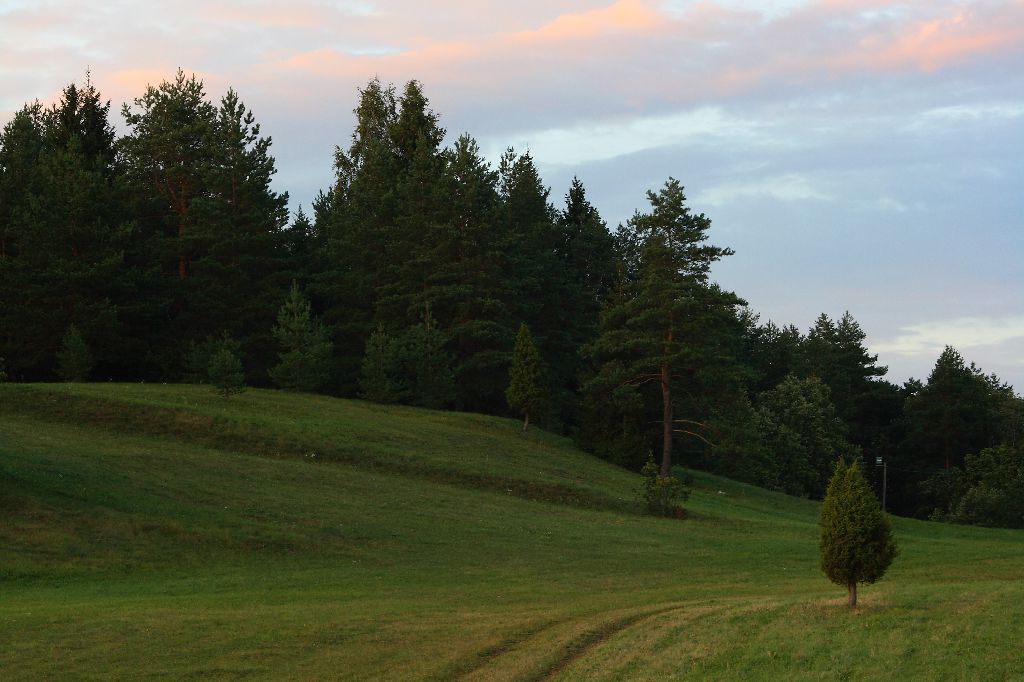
(858, 155)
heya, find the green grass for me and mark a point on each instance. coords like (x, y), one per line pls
(161, 532)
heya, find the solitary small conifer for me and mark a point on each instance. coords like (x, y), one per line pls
(526, 392)
(74, 361)
(226, 372)
(857, 543)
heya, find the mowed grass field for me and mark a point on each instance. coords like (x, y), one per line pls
(162, 532)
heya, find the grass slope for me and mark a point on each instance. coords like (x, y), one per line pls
(161, 532)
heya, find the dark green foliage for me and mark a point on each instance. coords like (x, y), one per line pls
(422, 365)
(470, 293)
(988, 491)
(155, 244)
(857, 543)
(958, 411)
(663, 332)
(74, 361)
(62, 233)
(199, 353)
(353, 224)
(800, 437)
(211, 228)
(413, 367)
(661, 495)
(225, 371)
(771, 352)
(526, 393)
(377, 379)
(305, 350)
(3, 370)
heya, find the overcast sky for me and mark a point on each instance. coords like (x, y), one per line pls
(858, 155)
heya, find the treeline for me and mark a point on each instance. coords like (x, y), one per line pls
(146, 256)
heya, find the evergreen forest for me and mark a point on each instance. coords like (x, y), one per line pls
(424, 275)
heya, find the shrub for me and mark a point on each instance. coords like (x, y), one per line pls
(661, 495)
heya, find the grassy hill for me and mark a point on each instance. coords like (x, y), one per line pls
(163, 532)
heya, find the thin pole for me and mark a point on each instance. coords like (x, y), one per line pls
(885, 476)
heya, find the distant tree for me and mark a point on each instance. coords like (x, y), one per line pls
(210, 225)
(988, 491)
(305, 347)
(800, 436)
(665, 325)
(354, 223)
(427, 363)
(771, 352)
(857, 544)
(526, 392)
(3, 371)
(74, 361)
(958, 411)
(225, 372)
(63, 233)
(377, 380)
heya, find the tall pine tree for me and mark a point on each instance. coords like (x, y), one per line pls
(666, 327)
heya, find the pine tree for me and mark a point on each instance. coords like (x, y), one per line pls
(353, 224)
(305, 347)
(225, 371)
(74, 361)
(526, 392)
(857, 543)
(469, 289)
(428, 363)
(377, 379)
(62, 232)
(667, 326)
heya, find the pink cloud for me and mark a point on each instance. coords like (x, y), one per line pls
(622, 16)
(632, 45)
(932, 44)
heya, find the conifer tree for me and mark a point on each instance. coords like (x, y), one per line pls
(428, 364)
(668, 326)
(469, 288)
(377, 374)
(526, 392)
(857, 544)
(305, 349)
(62, 232)
(74, 361)
(225, 371)
(353, 223)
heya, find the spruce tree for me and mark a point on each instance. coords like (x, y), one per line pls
(225, 371)
(429, 365)
(857, 543)
(305, 348)
(74, 361)
(377, 380)
(526, 392)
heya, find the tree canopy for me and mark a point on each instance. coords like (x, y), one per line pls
(142, 255)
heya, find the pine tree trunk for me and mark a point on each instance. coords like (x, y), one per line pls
(852, 588)
(666, 422)
(526, 421)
